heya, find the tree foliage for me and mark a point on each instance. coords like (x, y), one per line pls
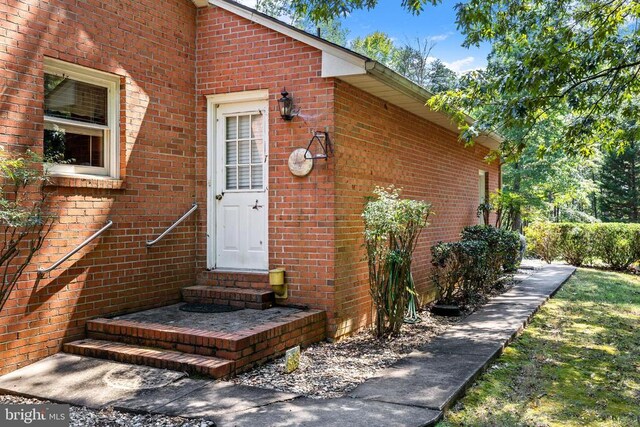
(620, 185)
(330, 28)
(320, 10)
(24, 219)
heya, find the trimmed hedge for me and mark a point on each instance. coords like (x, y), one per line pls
(615, 244)
(464, 271)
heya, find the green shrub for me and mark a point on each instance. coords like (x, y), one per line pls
(575, 243)
(392, 227)
(615, 244)
(503, 247)
(542, 240)
(460, 273)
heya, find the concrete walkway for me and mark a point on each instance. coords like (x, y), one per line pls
(413, 392)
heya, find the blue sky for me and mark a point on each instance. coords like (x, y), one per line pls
(436, 23)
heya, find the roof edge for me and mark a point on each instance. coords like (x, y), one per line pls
(409, 88)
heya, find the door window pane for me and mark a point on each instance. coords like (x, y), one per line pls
(244, 149)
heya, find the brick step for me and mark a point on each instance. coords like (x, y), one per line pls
(247, 346)
(165, 359)
(258, 299)
(234, 279)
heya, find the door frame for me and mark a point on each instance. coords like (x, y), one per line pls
(213, 102)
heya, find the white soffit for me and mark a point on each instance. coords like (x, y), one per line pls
(201, 3)
(359, 71)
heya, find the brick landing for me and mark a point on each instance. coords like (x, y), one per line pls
(259, 299)
(245, 338)
(234, 279)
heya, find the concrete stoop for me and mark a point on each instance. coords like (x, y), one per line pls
(218, 345)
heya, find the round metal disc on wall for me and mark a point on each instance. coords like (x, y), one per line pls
(298, 165)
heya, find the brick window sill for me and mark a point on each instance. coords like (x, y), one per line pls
(86, 182)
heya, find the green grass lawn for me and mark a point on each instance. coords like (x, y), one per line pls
(576, 364)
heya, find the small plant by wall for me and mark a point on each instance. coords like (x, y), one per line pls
(24, 219)
(614, 244)
(464, 271)
(392, 228)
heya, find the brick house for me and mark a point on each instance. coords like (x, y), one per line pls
(167, 103)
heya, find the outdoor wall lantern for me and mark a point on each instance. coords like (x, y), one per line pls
(285, 103)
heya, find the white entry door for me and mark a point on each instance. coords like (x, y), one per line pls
(241, 186)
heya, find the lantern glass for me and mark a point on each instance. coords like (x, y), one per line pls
(286, 105)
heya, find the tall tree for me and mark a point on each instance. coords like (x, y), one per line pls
(413, 60)
(620, 185)
(377, 46)
(440, 78)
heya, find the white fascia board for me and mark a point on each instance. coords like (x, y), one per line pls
(287, 30)
(333, 66)
(201, 3)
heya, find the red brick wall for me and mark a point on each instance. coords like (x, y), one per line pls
(378, 144)
(236, 55)
(150, 44)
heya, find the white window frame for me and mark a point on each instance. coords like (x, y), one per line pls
(111, 138)
(482, 191)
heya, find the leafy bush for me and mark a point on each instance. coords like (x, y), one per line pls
(464, 270)
(460, 273)
(543, 239)
(392, 228)
(615, 244)
(575, 243)
(503, 246)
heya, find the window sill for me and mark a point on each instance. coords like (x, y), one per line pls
(86, 182)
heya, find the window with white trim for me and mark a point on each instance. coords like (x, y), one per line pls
(483, 185)
(80, 120)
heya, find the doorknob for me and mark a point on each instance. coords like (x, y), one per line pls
(219, 196)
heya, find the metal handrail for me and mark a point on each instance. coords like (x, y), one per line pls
(42, 271)
(175, 224)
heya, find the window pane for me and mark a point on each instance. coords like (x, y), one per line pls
(244, 126)
(232, 153)
(244, 179)
(244, 155)
(257, 155)
(232, 178)
(256, 177)
(74, 146)
(256, 126)
(232, 127)
(74, 100)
